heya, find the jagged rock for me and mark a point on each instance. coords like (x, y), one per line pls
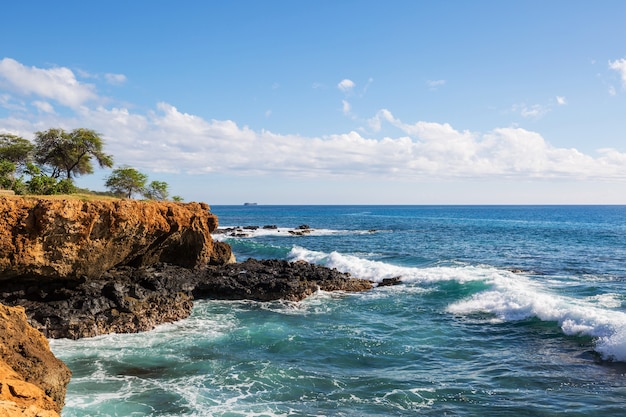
(124, 300)
(32, 380)
(69, 239)
(388, 282)
(272, 279)
(129, 300)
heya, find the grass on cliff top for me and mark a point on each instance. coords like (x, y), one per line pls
(78, 196)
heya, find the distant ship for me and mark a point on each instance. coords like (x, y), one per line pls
(249, 204)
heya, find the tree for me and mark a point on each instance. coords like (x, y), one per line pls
(39, 182)
(7, 171)
(15, 153)
(126, 181)
(70, 153)
(15, 149)
(157, 190)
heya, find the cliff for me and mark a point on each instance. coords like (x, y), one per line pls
(72, 239)
(32, 380)
(79, 267)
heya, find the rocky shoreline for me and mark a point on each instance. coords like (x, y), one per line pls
(130, 300)
(76, 269)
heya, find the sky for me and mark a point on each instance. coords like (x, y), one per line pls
(332, 102)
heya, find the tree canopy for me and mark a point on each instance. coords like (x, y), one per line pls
(157, 190)
(15, 149)
(126, 181)
(69, 154)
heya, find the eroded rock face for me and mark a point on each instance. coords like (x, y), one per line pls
(32, 380)
(70, 239)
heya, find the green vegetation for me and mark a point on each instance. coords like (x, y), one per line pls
(126, 181)
(69, 154)
(50, 164)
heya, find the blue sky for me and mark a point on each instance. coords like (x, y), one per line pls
(333, 102)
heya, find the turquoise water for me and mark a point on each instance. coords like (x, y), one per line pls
(504, 311)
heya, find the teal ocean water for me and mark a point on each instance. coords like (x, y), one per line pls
(503, 311)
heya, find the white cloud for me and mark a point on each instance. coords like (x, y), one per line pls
(619, 66)
(43, 106)
(58, 84)
(536, 111)
(612, 91)
(115, 79)
(346, 107)
(346, 85)
(561, 101)
(167, 139)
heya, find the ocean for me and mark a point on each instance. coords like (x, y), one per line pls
(502, 311)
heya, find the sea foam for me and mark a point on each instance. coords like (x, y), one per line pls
(510, 297)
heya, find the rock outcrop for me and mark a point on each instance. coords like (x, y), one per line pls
(32, 380)
(267, 280)
(72, 239)
(129, 300)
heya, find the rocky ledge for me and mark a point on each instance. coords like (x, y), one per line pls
(128, 300)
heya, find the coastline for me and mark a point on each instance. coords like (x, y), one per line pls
(85, 268)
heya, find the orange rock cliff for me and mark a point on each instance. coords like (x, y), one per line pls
(32, 380)
(70, 239)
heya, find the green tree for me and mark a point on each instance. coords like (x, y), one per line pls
(177, 198)
(15, 153)
(157, 190)
(126, 181)
(70, 154)
(39, 182)
(15, 149)
(7, 171)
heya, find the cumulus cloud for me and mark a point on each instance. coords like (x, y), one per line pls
(561, 101)
(346, 85)
(619, 65)
(168, 139)
(58, 84)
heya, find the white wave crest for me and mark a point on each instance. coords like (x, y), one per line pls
(229, 232)
(517, 298)
(376, 271)
(511, 297)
